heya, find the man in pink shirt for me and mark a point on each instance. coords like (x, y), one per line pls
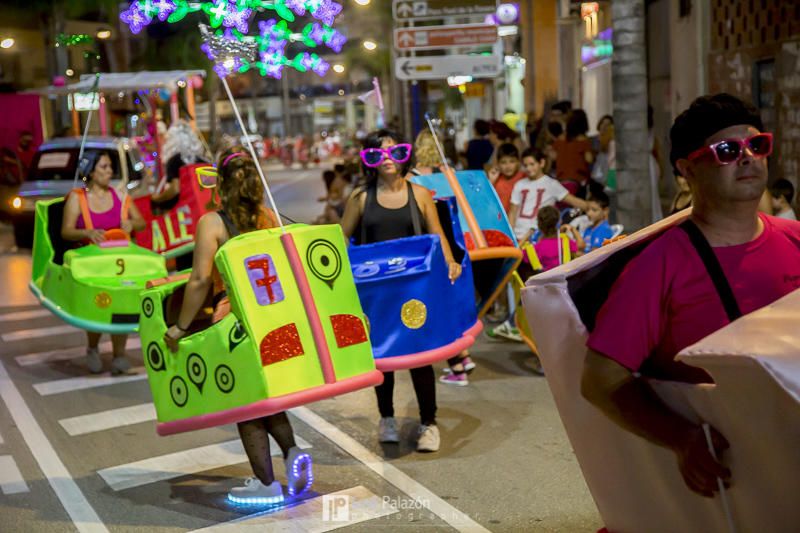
(727, 260)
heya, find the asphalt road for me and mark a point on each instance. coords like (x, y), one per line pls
(81, 453)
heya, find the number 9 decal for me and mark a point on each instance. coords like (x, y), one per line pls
(121, 265)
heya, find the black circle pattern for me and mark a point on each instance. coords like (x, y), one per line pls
(223, 375)
(179, 391)
(324, 260)
(148, 307)
(155, 357)
(196, 370)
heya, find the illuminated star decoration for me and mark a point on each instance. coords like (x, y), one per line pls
(238, 20)
(135, 18)
(164, 8)
(327, 11)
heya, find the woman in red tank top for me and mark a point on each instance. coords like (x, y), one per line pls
(242, 211)
(88, 214)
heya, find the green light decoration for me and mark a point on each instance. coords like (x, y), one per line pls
(73, 39)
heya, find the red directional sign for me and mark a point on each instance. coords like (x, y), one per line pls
(432, 37)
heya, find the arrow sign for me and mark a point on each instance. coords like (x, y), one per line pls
(443, 67)
(435, 37)
(404, 10)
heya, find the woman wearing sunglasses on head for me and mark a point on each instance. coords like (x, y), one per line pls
(389, 207)
(725, 261)
(242, 211)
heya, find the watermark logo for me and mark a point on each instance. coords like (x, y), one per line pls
(335, 508)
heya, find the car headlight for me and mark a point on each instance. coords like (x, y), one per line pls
(16, 203)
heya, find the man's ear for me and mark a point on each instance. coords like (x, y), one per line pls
(685, 168)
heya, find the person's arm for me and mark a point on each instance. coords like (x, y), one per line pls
(513, 214)
(72, 210)
(576, 237)
(169, 192)
(208, 235)
(574, 201)
(352, 212)
(630, 403)
(493, 174)
(434, 225)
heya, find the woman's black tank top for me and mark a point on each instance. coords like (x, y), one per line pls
(381, 224)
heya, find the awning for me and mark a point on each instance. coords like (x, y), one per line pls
(123, 81)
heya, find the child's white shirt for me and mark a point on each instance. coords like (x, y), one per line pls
(531, 195)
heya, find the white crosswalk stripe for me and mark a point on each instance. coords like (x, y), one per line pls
(321, 514)
(24, 315)
(181, 463)
(11, 480)
(113, 418)
(60, 386)
(36, 333)
(65, 354)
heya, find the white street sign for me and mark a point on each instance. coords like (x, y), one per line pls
(438, 37)
(442, 67)
(407, 10)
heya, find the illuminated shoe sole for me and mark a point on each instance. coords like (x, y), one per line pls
(256, 493)
(299, 472)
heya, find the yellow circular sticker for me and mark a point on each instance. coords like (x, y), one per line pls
(102, 300)
(414, 314)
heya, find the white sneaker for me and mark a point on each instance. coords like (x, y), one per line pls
(428, 439)
(299, 475)
(255, 492)
(120, 365)
(93, 360)
(387, 430)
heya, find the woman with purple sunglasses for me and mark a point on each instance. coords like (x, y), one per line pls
(389, 207)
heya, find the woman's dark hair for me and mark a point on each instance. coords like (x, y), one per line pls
(503, 132)
(548, 217)
(328, 176)
(240, 188)
(564, 106)
(507, 150)
(577, 124)
(89, 162)
(604, 117)
(555, 128)
(375, 140)
(706, 116)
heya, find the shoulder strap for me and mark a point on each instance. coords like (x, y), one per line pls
(714, 269)
(414, 207)
(85, 212)
(533, 257)
(372, 198)
(126, 205)
(565, 256)
(233, 231)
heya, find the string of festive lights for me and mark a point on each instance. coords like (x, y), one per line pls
(231, 20)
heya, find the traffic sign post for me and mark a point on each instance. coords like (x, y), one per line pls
(443, 67)
(433, 37)
(408, 10)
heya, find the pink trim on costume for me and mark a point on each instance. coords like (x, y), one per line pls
(404, 362)
(270, 406)
(320, 341)
(119, 243)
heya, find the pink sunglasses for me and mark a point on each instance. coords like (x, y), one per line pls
(373, 157)
(730, 151)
